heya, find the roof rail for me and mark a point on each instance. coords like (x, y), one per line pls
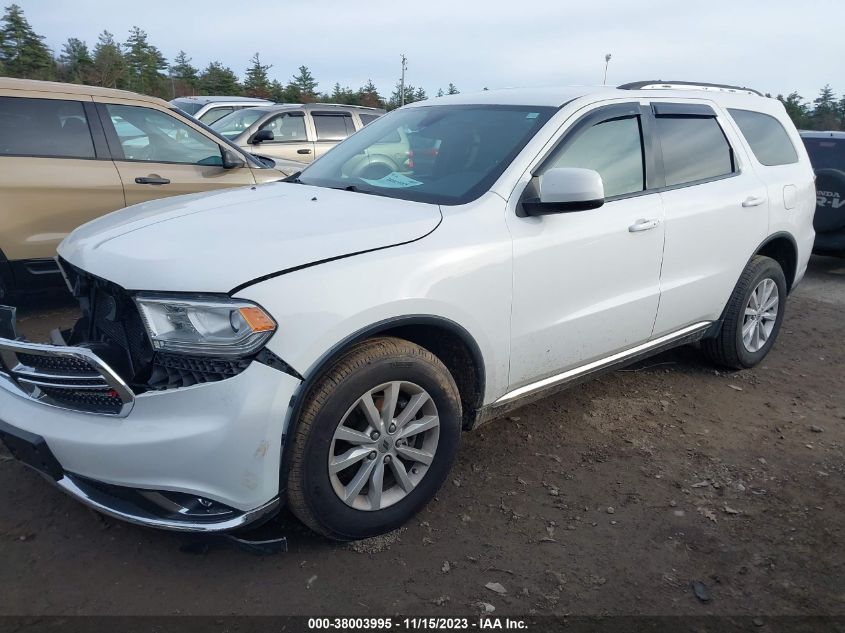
(686, 85)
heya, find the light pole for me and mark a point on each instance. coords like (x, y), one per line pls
(402, 81)
(606, 64)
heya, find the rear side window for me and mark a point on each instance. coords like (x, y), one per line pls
(368, 118)
(333, 127)
(44, 127)
(694, 149)
(766, 136)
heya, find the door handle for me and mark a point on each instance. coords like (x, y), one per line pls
(152, 179)
(303, 151)
(643, 225)
(753, 201)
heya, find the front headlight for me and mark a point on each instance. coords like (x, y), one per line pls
(205, 326)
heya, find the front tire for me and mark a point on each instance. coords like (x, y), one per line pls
(752, 318)
(376, 438)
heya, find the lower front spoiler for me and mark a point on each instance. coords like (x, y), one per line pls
(120, 507)
(149, 508)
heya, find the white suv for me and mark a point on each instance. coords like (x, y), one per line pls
(322, 342)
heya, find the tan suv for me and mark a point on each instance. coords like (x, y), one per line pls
(294, 131)
(71, 153)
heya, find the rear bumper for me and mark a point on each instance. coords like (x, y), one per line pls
(217, 444)
(830, 243)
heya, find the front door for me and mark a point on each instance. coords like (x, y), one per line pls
(290, 138)
(159, 155)
(587, 284)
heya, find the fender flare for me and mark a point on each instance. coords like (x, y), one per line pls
(316, 369)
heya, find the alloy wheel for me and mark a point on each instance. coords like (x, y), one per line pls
(384, 445)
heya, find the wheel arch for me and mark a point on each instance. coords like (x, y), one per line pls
(449, 341)
(782, 248)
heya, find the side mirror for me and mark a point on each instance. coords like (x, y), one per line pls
(564, 190)
(232, 160)
(260, 136)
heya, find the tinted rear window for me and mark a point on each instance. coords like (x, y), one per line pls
(694, 149)
(826, 153)
(333, 127)
(766, 136)
(44, 127)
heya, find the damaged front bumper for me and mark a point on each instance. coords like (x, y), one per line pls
(203, 458)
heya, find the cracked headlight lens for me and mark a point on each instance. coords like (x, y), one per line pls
(206, 326)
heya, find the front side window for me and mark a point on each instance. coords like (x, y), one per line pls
(233, 125)
(694, 149)
(458, 152)
(766, 136)
(287, 128)
(215, 114)
(333, 127)
(148, 135)
(612, 148)
(44, 128)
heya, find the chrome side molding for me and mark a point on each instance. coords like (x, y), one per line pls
(687, 334)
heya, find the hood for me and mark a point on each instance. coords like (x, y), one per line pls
(214, 242)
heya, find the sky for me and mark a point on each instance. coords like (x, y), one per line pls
(775, 46)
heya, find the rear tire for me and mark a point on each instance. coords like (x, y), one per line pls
(354, 414)
(752, 319)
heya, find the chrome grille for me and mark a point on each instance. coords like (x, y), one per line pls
(73, 378)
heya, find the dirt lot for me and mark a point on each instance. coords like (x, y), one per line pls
(608, 499)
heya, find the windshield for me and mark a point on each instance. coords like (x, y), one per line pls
(234, 124)
(448, 154)
(187, 105)
(826, 152)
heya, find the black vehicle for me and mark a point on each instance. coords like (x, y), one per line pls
(827, 154)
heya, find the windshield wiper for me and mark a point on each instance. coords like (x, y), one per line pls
(294, 178)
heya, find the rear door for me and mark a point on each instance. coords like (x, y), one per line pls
(160, 155)
(55, 173)
(716, 207)
(330, 128)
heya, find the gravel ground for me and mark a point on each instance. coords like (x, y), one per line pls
(612, 498)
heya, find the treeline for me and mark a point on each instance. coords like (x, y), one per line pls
(137, 65)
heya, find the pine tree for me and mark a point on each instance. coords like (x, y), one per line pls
(278, 93)
(109, 68)
(185, 76)
(795, 108)
(218, 79)
(842, 113)
(75, 63)
(369, 96)
(302, 88)
(23, 52)
(825, 110)
(439, 92)
(452, 90)
(419, 95)
(146, 65)
(256, 81)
